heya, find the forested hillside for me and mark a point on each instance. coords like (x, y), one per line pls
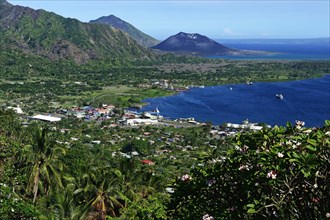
(39, 32)
(57, 172)
(93, 164)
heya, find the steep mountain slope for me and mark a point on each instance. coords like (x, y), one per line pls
(195, 44)
(132, 31)
(47, 34)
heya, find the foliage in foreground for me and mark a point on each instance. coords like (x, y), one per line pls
(278, 173)
(282, 173)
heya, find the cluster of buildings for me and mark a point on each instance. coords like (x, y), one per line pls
(230, 129)
(89, 112)
(86, 112)
(132, 118)
(164, 84)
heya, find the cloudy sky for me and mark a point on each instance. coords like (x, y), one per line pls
(216, 19)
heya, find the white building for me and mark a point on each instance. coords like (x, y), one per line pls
(46, 118)
(140, 121)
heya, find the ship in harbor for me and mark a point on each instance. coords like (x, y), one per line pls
(279, 96)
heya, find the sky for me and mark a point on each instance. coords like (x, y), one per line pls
(217, 19)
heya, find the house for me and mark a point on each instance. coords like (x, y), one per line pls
(18, 110)
(135, 153)
(230, 125)
(256, 128)
(138, 121)
(46, 118)
(148, 162)
(104, 111)
(213, 132)
(109, 107)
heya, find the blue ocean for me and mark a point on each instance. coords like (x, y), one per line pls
(282, 49)
(305, 100)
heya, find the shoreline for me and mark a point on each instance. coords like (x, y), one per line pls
(229, 86)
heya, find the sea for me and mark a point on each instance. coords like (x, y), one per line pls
(281, 49)
(306, 100)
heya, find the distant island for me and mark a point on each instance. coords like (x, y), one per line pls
(197, 44)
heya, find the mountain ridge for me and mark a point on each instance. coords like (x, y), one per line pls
(132, 31)
(5, 3)
(195, 44)
(47, 34)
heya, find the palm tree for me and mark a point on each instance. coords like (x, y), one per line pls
(42, 156)
(63, 205)
(129, 178)
(151, 184)
(100, 191)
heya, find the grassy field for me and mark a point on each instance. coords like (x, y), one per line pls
(122, 96)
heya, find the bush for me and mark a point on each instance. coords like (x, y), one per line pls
(14, 207)
(279, 173)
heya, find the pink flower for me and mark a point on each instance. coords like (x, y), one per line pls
(186, 177)
(244, 149)
(272, 174)
(243, 167)
(316, 200)
(300, 123)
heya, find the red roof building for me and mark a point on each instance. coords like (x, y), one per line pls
(148, 162)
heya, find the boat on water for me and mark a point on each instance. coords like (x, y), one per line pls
(156, 110)
(279, 96)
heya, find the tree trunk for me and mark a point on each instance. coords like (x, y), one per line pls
(36, 184)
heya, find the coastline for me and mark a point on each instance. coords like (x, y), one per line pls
(227, 87)
(267, 57)
(230, 84)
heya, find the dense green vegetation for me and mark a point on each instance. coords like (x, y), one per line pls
(55, 37)
(56, 172)
(34, 82)
(76, 169)
(282, 173)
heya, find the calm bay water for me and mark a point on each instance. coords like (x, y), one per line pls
(306, 100)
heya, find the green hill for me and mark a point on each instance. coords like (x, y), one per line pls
(47, 34)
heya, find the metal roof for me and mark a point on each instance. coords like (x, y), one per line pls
(46, 118)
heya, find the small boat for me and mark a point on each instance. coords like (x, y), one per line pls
(231, 88)
(279, 96)
(156, 111)
(249, 83)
